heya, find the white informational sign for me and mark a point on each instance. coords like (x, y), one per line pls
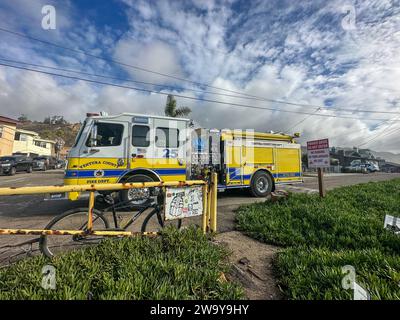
(392, 223)
(318, 153)
(183, 202)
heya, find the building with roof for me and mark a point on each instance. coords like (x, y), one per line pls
(348, 157)
(7, 132)
(390, 167)
(30, 144)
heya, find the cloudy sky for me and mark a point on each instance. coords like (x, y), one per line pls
(334, 58)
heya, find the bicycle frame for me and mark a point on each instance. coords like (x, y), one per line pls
(127, 204)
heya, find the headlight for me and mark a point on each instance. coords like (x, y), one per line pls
(6, 164)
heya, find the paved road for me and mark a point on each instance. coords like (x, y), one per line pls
(35, 212)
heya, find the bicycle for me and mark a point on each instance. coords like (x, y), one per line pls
(77, 219)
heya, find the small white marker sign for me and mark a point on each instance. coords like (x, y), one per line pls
(392, 223)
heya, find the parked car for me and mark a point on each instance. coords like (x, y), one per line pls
(12, 164)
(60, 164)
(356, 168)
(44, 163)
(372, 167)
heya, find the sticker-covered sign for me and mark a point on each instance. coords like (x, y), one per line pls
(318, 153)
(183, 202)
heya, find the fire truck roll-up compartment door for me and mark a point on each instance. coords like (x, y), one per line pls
(234, 162)
(288, 163)
(170, 143)
(103, 159)
(256, 154)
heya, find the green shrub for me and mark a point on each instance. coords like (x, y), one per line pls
(177, 265)
(323, 235)
(317, 273)
(348, 218)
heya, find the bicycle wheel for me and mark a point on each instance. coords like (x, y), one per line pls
(155, 222)
(75, 219)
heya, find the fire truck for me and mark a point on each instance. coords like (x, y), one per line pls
(139, 148)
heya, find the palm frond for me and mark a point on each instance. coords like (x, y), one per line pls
(182, 111)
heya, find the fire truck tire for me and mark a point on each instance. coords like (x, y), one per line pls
(128, 195)
(261, 184)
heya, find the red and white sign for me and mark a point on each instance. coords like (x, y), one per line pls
(318, 153)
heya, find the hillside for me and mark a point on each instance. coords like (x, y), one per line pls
(388, 156)
(65, 131)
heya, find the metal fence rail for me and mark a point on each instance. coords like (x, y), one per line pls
(209, 220)
(12, 191)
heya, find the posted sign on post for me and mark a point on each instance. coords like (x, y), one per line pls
(183, 202)
(318, 157)
(318, 153)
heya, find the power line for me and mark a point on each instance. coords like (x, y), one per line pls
(185, 97)
(385, 135)
(184, 79)
(301, 121)
(378, 135)
(120, 63)
(347, 133)
(129, 80)
(391, 132)
(188, 89)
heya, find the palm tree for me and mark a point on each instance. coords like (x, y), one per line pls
(172, 111)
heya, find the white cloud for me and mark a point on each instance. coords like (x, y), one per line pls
(154, 55)
(307, 58)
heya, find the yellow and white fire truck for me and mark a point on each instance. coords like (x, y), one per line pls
(136, 148)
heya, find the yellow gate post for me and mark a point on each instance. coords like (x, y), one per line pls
(210, 205)
(90, 212)
(214, 192)
(205, 208)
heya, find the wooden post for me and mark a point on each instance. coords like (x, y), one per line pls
(321, 183)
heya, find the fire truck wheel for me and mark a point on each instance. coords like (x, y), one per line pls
(137, 196)
(261, 184)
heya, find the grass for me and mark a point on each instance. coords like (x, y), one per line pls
(177, 265)
(322, 235)
(316, 273)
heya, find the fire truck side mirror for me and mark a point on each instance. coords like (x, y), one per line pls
(93, 136)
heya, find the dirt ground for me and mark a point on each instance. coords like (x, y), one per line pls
(251, 265)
